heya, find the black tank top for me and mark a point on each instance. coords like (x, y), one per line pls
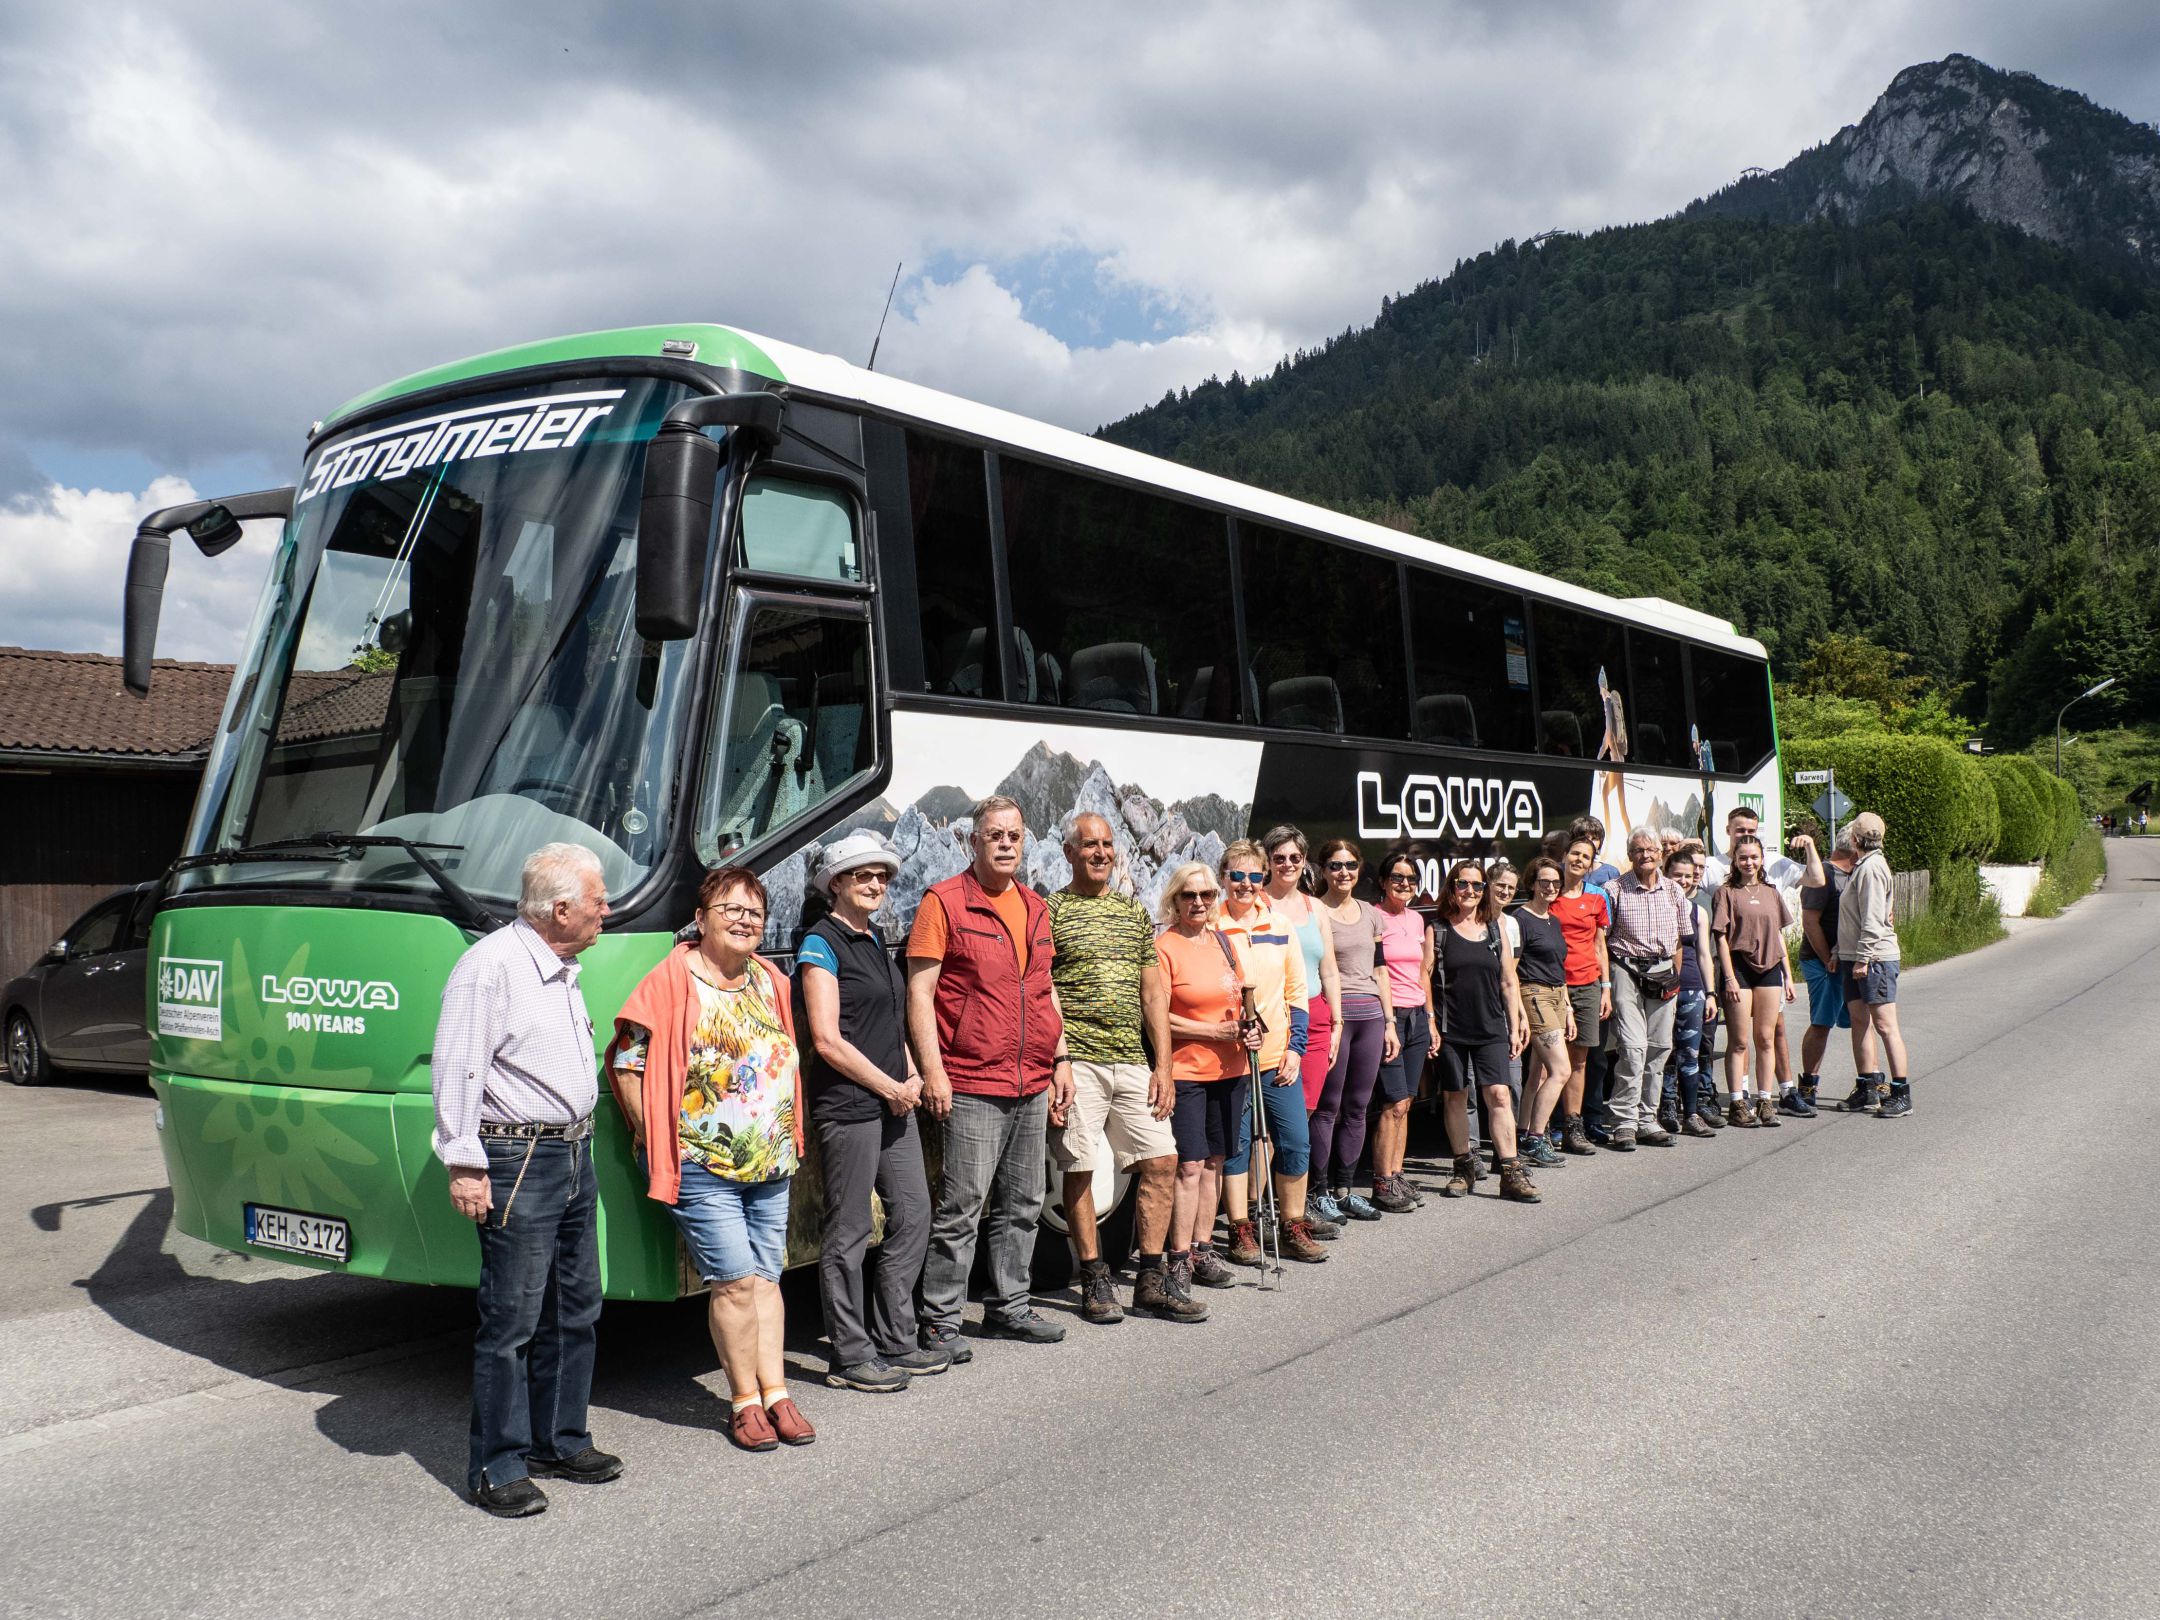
(1473, 1007)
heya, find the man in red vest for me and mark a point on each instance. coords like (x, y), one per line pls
(984, 1021)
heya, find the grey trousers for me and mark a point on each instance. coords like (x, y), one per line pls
(1644, 1026)
(993, 1177)
(857, 1156)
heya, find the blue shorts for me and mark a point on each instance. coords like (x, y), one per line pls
(1825, 995)
(1399, 1080)
(1875, 984)
(733, 1229)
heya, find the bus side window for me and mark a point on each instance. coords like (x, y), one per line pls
(796, 723)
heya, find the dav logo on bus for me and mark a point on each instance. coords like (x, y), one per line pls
(191, 998)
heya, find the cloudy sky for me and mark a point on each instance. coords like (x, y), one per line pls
(220, 220)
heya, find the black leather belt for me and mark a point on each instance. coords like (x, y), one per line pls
(575, 1131)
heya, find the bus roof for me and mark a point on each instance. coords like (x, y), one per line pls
(724, 347)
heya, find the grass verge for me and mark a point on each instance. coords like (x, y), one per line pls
(2069, 879)
(1962, 916)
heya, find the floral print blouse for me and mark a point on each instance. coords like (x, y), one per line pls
(738, 1103)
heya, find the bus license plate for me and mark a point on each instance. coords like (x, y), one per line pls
(320, 1237)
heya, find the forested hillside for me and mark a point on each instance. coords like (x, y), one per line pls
(1930, 430)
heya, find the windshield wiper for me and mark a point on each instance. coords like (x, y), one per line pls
(347, 846)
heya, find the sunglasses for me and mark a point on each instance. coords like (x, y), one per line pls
(1198, 896)
(870, 874)
(1246, 877)
(1466, 886)
(1398, 878)
(1546, 883)
(1342, 866)
(1293, 858)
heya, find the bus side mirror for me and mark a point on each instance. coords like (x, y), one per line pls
(214, 526)
(675, 508)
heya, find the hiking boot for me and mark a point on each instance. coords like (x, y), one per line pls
(919, 1363)
(1209, 1271)
(1244, 1249)
(1325, 1231)
(1693, 1126)
(1738, 1113)
(1796, 1103)
(1766, 1110)
(1458, 1184)
(947, 1342)
(1024, 1326)
(1668, 1118)
(513, 1499)
(1862, 1100)
(1403, 1184)
(1322, 1210)
(1538, 1152)
(1357, 1206)
(1391, 1199)
(1157, 1293)
(1709, 1116)
(1621, 1141)
(872, 1377)
(1098, 1299)
(1297, 1242)
(1572, 1139)
(1897, 1104)
(1515, 1184)
(1659, 1138)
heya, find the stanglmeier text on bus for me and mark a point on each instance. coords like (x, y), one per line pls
(685, 595)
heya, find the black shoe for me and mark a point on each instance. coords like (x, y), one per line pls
(592, 1466)
(947, 1342)
(1897, 1105)
(1653, 1138)
(1209, 1271)
(1668, 1119)
(1862, 1100)
(1792, 1100)
(516, 1499)
(1025, 1328)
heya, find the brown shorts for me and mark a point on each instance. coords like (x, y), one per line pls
(1546, 1006)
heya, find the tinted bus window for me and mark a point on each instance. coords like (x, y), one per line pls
(1325, 627)
(1732, 710)
(795, 528)
(1473, 665)
(1657, 708)
(1581, 663)
(1121, 600)
(949, 501)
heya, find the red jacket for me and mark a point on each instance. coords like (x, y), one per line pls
(998, 1029)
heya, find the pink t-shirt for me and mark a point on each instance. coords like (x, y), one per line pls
(1403, 938)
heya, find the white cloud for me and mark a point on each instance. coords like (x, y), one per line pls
(67, 552)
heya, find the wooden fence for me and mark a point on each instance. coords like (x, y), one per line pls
(1909, 893)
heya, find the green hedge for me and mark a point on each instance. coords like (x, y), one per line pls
(2069, 819)
(1938, 804)
(2026, 808)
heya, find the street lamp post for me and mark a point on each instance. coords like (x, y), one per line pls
(2090, 691)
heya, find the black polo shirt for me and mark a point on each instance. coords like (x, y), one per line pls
(873, 1017)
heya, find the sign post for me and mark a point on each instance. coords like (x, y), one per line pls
(1831, 806)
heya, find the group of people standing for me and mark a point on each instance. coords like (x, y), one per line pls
(1576, 1013)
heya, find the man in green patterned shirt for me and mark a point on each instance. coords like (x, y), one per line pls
(1116, 1008)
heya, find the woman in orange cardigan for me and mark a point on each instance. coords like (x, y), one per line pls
(703, 1065)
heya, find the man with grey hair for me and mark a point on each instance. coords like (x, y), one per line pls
(516, 1076)
(983, 1019)
(1825, 986)
(1868, 959)
(1650, 913)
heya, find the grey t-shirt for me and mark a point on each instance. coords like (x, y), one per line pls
(1354, 942)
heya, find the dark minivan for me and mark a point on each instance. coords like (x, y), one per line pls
(81, 1005)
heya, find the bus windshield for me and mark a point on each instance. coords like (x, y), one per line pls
(446, 654)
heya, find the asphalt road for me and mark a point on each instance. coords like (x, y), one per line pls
(1843, 1368)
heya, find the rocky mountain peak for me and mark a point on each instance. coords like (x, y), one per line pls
(2009, 146)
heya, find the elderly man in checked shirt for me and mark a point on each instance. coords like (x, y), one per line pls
(1649, 913)
(515, 1081)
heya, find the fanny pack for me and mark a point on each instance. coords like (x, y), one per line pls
(1651, 972)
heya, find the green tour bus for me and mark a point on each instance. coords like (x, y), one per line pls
(686, 596)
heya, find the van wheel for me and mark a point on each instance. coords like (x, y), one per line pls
(1055, 1265)
(26, 1065)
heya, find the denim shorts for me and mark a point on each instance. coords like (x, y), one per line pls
(1825, 995)
(733, 1229)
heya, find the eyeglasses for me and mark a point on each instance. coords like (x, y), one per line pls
(1342, 866)
(1468, 886)
(739, 914)
(1246, 877)
(1198, 896)
(870, 874)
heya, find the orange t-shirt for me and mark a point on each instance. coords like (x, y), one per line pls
(1204, 988)
(929, 936)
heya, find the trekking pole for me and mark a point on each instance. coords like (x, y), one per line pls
(1263, 1196)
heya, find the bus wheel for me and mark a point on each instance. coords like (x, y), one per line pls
(26, 1064)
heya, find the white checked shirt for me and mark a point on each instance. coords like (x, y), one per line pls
(514, 1044)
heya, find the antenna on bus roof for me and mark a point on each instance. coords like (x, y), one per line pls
(880, 338)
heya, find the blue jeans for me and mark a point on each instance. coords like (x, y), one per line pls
(1288, 1129)
(1685, 1086)
(539, 1300)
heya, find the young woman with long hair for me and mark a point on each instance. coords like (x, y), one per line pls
(1368, 1030)
(1541, 976)
(1748, 920)
(1480, 1023)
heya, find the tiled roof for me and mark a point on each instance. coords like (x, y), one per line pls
(74, 703)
